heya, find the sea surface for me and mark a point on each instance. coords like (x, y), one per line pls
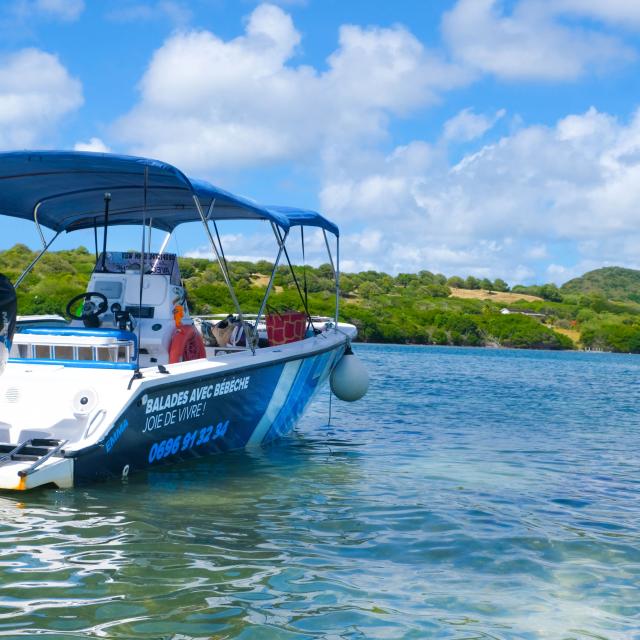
(473, 494)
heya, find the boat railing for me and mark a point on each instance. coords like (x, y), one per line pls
(252, 317)
(217, 351)
(97, 348)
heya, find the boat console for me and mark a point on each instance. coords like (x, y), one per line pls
(127, 298)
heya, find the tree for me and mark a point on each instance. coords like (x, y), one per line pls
(486, 284)
(500, 285)
(406, 279)
(438, 291)
(471, 283)
(550, 292)
(439, 336)
(456, 282)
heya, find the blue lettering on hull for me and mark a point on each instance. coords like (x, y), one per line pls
(209, 414)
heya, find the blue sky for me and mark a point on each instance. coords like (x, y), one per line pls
(498, 138)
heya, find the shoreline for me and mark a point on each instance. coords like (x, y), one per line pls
(491, 347)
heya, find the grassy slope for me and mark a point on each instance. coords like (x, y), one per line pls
(504, 297)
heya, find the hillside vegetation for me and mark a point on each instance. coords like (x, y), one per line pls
(408, 308)
(613, 283)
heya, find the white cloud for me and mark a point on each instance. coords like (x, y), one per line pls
(66, 10)
(93, 144)
(467, 125)
(240, 246)
(36, 91)
(253, 246)
(529, 43)
(291, 3)
(176, 12)
(209, 103)
(537, 252)
(625, 13)
(533, 195)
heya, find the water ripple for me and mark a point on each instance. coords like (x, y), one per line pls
(473, 494)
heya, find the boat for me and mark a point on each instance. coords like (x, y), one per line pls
(128, 383)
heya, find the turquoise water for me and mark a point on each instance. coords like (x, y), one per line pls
(473, 494)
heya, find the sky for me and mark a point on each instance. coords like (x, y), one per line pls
(496, 138)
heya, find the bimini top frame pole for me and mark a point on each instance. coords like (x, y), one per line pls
(34, 262)
(225, 273)
(163, 246)
(45, 247)
(309, 218)
(281, 243)
(35, 219)
(336, 272)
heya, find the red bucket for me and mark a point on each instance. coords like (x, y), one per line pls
(286, 327)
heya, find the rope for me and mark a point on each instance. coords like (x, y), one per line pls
(295, 279)
(144, 228)
(304, 276)
(224, 258)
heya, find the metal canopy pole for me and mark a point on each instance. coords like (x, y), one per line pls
(142, 262)
(45, 246)
(210, 209)
(225, 274)
(337, 278)
(107, 200)
(149, 241)
(326, 243)
(35, 261)
(163, 246)
(165, 242)
(35, 219)
(295, 280)
(95, 239)
(263, 304)
(336, 273)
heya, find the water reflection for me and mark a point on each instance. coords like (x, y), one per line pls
(470, 496)
(183, 549)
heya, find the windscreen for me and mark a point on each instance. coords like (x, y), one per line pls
(164, 264)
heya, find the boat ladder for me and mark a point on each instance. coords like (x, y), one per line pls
(38, 450)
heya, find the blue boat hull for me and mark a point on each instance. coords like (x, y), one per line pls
(205, 415)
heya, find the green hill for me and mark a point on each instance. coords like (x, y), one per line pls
(599, 311)
(613, 283)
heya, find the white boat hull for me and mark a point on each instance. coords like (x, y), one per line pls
(108, 425)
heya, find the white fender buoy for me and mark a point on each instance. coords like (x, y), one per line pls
(349, 378)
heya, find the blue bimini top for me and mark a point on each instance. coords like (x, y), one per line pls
(304, 218)
(64, 191)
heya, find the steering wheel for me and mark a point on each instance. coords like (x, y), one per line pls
(90, 310)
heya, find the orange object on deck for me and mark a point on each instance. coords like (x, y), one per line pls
(178, 314)
(186, 344)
